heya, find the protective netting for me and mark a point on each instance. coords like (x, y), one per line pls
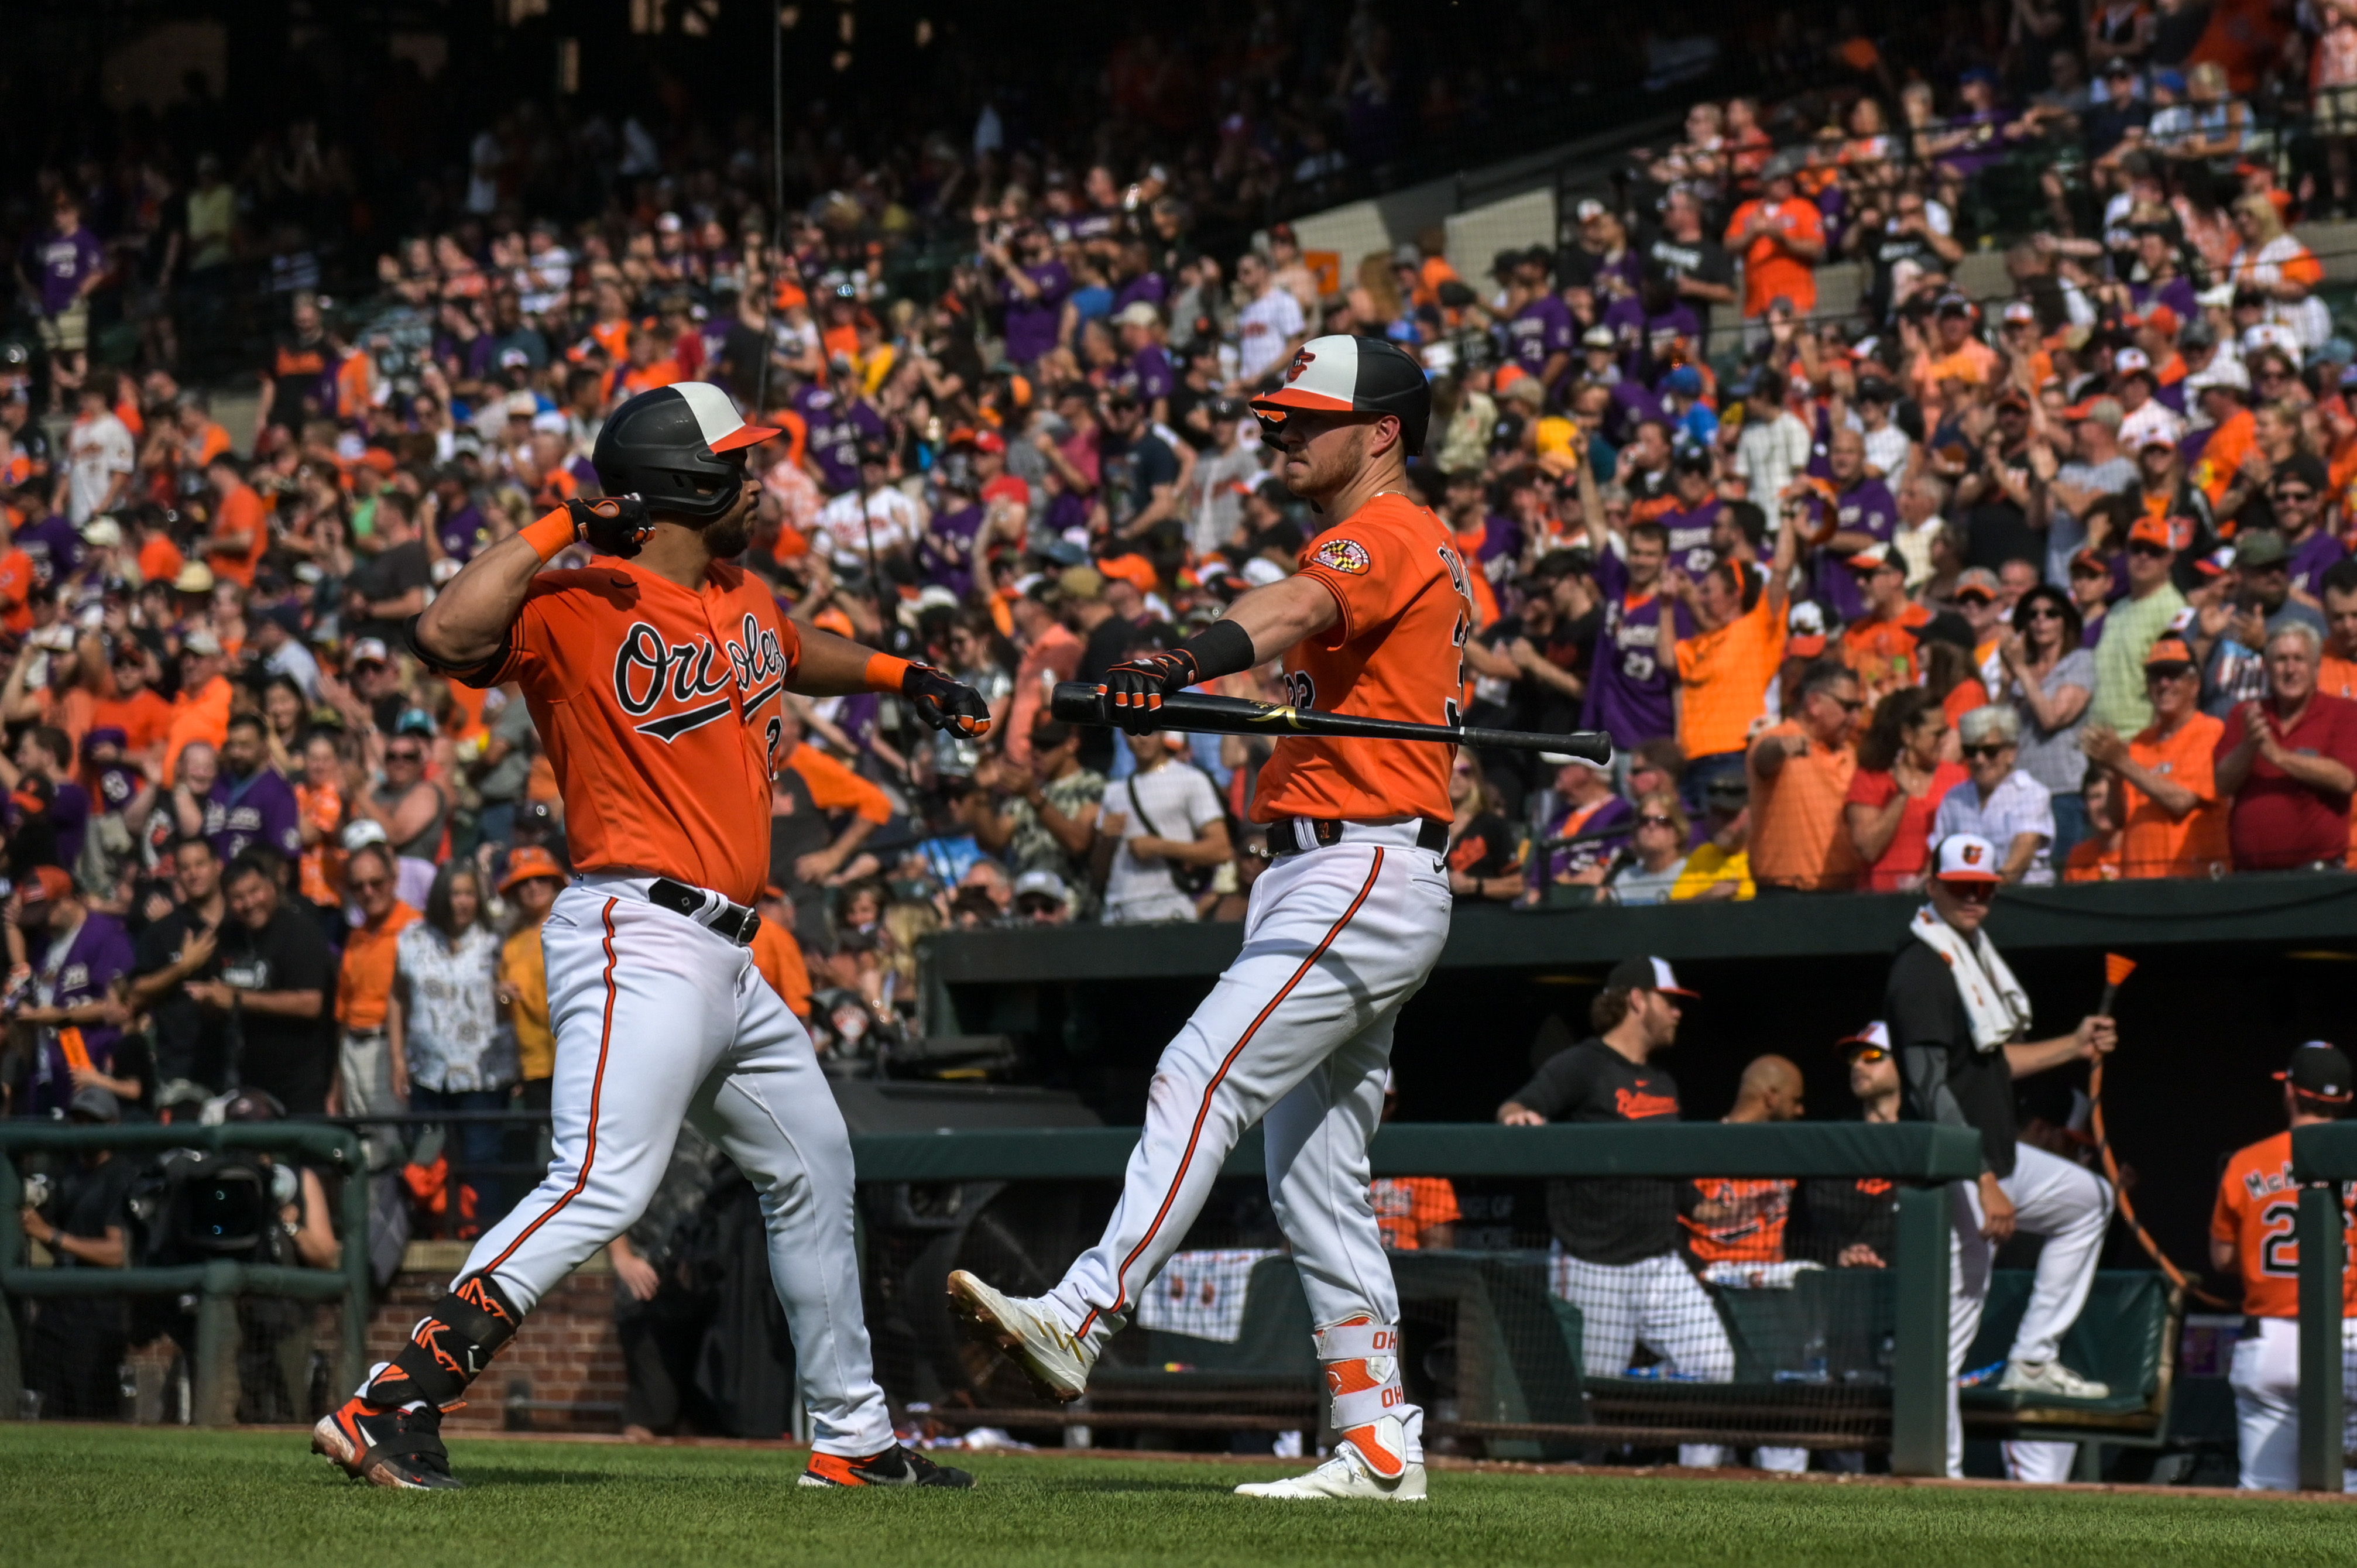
(72, 1347)
(1635, 1320)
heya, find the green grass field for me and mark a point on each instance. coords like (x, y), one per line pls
(90, 1495)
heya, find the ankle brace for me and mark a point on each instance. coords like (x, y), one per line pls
(1361, 1361)
(450, 1347)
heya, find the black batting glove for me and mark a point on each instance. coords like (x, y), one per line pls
(1133, 689)
(611, 525)
(944, 703)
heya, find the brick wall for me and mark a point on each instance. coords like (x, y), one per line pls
(562, 1372)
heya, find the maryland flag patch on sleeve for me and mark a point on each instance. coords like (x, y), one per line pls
(1341, 555)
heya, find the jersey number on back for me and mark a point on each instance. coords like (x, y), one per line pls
(1452, 715)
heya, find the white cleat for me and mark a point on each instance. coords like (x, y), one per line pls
(1346, 1474)
(2052, 1377)
(1027, 1332)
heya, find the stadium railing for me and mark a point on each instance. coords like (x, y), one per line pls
(1918, 1158)
(2322, 1158)
(217, 1283)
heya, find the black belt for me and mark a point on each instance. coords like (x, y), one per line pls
(708, 909)
(1327, 832)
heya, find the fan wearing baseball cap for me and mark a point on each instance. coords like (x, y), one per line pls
(1619, 1260)
(2252, 1232)
(2134, 624)
(1959, 1024)
(2174, 824)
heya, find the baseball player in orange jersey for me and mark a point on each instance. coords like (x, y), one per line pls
(2254, 1229)
(1341, 931)
(656, 679)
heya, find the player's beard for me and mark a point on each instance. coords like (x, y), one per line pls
(727, 536)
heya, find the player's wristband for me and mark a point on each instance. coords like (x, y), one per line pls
(885, 672)
(550, 533)
(1223, 647)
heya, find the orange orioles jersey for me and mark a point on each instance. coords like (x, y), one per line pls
(659, 710)
(2258, 1208)
(1406, 609)
(1737, 1221)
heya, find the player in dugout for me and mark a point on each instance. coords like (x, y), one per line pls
(2252, 1232)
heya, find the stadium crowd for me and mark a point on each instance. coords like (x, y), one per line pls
(2066, 570)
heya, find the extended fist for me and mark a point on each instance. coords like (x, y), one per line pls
(611, 525)
(1133, 689)
(944, 703)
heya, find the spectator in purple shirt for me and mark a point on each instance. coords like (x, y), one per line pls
(1864, 513)
(1587, 809)
(48, 812)
(251, 803)
(1146, 371)
(2301, 494)
(1033, 286)
(1690, 523)
(1135, 281)
(77, 955)
(1628, 688)
(1542, 332)
(839, 419)
(61, 269)
(54, 545)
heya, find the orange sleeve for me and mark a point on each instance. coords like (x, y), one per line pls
(2304, 268)
(779, 958)
(552, 635)
(1735, 225)
(1811, 225)
(835, 788)
(1370, 568)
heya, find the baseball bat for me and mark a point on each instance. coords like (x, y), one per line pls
(1077, 703)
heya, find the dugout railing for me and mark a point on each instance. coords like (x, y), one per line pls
(1919, 1159)
(217, 1283)
(2323, 1158)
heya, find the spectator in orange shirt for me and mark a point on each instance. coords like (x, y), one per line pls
(201, 714)
(2337, 675)
(2101, 855)
(1880, 645)
(1724, 670)
(2224, 389)
(17, 580)
(2172, 822)
(159, 558)
(241, 530)
(778, 955)
(135, 708)
(1799, 772)
(1780, 238)
(364, 1080)
(1415, 1214)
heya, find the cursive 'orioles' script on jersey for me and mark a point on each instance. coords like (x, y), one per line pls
(660, 709)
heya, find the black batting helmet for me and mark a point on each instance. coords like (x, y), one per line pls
(678, 448)
(1363, 375)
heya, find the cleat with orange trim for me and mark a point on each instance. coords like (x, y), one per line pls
(896, 1467)
(1350, 1475)
(400, 1447)
(1027, 1332)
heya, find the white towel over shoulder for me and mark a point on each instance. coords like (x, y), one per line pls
(1994, 1000)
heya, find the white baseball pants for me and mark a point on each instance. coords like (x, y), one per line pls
(1659, 1304)
(2266, 1380)
(658, 1021)
(1296, 1033)
(2071, 1208)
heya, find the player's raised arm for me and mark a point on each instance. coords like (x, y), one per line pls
(468, 622)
